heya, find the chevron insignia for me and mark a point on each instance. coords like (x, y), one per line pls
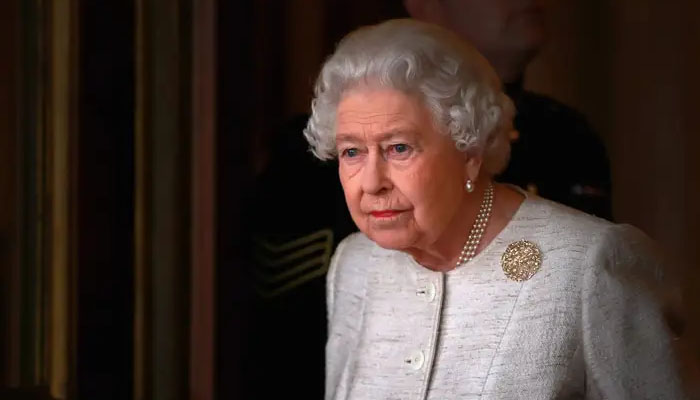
(283, 266)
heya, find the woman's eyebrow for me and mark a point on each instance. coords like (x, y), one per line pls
(400, 133)
(351, 137)
(347, 137)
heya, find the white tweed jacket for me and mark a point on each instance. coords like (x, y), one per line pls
(586, 326)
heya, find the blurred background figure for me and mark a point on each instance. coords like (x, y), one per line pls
(555, 153)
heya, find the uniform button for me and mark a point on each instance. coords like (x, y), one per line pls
(427, 292)
(416, 360)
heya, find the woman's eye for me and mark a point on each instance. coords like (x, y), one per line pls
(353, 152)
(400, 150)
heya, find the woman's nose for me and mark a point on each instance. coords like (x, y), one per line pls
(374, 174)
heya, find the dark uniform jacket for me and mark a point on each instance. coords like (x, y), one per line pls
(558, 155)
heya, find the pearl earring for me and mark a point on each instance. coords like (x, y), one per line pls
(469, 186)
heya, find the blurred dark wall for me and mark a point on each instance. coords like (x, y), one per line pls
(631, 68)
(105, 294)
(8, 174)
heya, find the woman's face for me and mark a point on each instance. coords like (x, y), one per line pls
(403, 179)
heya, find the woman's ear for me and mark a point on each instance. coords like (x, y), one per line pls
(472, 167)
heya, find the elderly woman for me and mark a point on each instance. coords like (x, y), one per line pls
(458, 287)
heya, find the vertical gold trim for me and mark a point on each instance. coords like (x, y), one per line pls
(161, 215)
(42, 159)
(60, 110)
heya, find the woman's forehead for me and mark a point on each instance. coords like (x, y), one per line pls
(378, 123)
(378, 128)
(381, 112)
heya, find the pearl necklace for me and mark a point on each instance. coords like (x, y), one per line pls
(477, 231)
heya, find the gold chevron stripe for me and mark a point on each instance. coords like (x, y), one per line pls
(321, 261)
(268, 262)
(269, 293)
(326, 234)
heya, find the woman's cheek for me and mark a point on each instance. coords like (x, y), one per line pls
(349, 169)
(416, 179)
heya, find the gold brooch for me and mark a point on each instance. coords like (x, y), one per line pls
(521, 260)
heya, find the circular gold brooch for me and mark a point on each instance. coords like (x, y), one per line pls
(521, 260)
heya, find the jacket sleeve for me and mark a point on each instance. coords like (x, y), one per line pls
(330, 281)
(345, 300)
(627, 345)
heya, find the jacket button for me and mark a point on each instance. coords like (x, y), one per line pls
(427, 292)
(416, 360)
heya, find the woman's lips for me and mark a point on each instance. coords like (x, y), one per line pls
(386, 213)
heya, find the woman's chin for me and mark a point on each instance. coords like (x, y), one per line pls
(389, 239)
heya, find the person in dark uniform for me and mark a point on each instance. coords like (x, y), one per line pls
(296, 217)
(298, 213)
(556, 152)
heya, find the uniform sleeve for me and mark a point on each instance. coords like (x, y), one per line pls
(627, 345)
(591, 191)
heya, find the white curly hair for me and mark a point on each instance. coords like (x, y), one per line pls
(452, 79)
